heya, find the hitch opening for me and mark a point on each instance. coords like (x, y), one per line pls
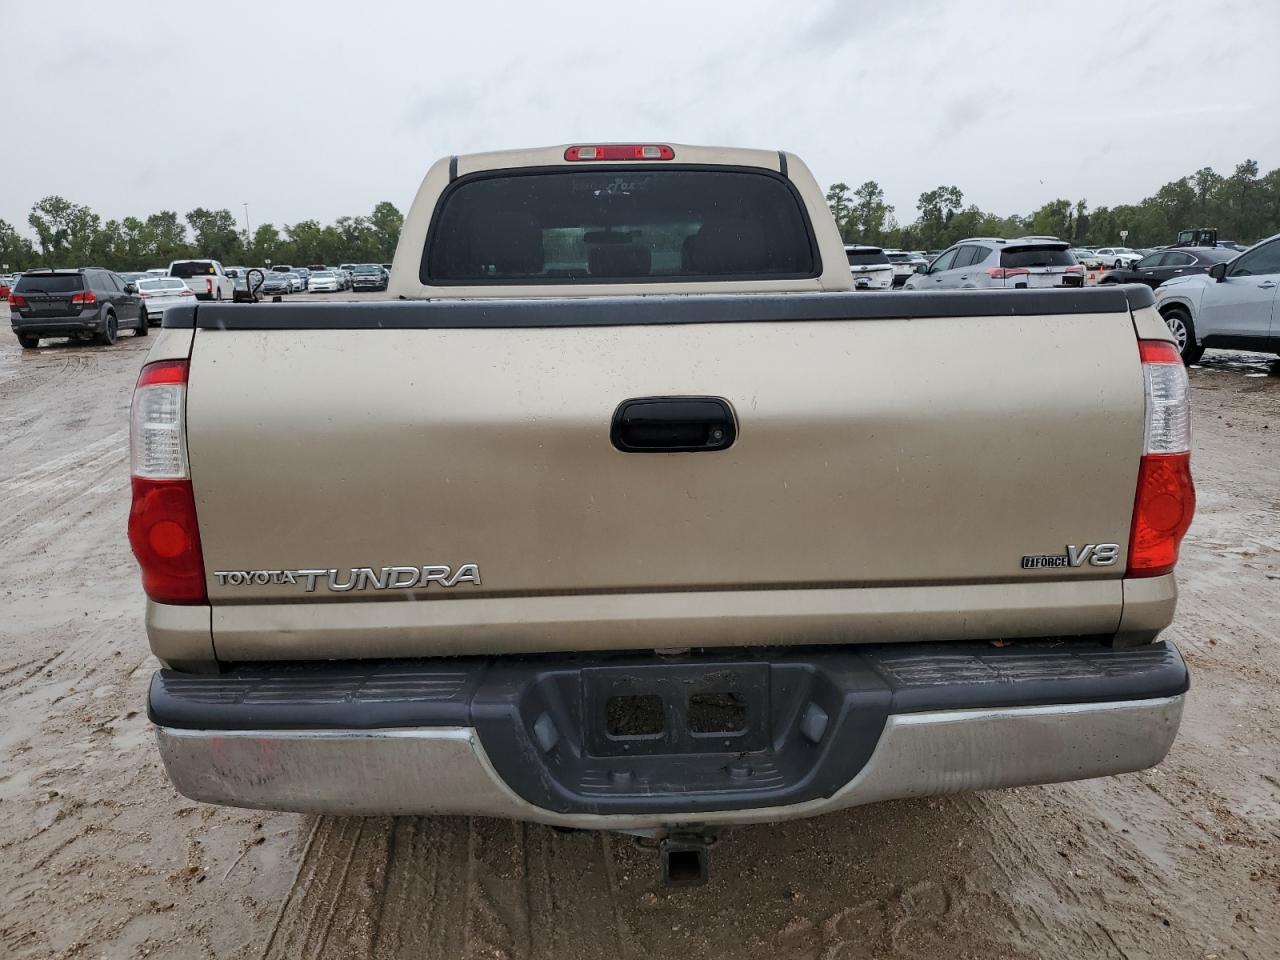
(684, 861)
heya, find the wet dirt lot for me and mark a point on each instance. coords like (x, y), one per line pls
(100, 858)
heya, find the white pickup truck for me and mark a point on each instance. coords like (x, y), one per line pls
(628, 513)
(206, 278)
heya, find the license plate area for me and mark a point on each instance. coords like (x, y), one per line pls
(50, 306)
(676, 709)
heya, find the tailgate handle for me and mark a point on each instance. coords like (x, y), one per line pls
(673, 425)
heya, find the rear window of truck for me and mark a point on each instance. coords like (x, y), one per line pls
(1040, 255)
(628, 225)
(192, 268)
(50, 283)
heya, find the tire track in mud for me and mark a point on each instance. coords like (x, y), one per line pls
(443, 888)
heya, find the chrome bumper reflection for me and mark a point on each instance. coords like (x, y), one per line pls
(444, 770)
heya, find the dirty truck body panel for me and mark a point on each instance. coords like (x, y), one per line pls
(863, 460)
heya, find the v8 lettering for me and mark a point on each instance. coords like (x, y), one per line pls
(1094, 554)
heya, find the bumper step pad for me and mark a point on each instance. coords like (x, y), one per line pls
(632, 734)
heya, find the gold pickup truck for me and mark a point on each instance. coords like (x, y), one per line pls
(625, 511)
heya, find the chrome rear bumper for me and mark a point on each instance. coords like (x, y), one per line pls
(445, 770)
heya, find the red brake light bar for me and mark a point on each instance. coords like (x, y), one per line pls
(621, 151)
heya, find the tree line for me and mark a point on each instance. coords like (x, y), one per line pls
(1243, 206)
(71, 234)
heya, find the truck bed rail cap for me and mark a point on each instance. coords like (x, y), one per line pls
(655, 310)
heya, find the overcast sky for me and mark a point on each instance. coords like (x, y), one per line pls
(313, 110)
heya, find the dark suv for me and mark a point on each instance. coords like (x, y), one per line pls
(83, 303)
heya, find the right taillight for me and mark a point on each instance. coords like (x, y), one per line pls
(1166, 497)
(162, 520)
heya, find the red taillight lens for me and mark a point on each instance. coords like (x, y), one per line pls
(17, 300)
(1166, 497)
(1162, 512)
(85, 297)
(163, 530)
(621, 151)
(144, 295)
(1004, 273)
(1076, 268)
(166, 541)
(187, 292)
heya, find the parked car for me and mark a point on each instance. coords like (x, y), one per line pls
(133, 276)
(5, 283)
(304, 275)
(903, 263)
(296, 283)
(158, 272)
(326, 281)
(279, 283)
(870, 267)
(158, 293)
(1117, 257)
(205, 277)
(834, 504)
(1233, 306)
(368, 276)
(1087, 258)
(243, 277)
(1166, 264)
(81, 304)
(281, 268)
(984, 262)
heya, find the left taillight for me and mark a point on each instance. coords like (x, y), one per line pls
(17, 300)
(1166, 496)
(162, 520)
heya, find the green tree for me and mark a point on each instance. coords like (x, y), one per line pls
(168, 238)
(841, 207)
(266, 245)
(15, 249)
(937, 208)
(870, 213)
(306, 242)
(217, 236)
(386, 222)
(67, 231)
(1054, 219)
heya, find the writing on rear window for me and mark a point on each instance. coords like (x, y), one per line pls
(580, 226)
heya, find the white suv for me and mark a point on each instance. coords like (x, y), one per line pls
(985, 262)
(1117, 257)
(870, 267)
(1235, 305)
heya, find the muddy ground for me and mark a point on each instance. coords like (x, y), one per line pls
(100, 858)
